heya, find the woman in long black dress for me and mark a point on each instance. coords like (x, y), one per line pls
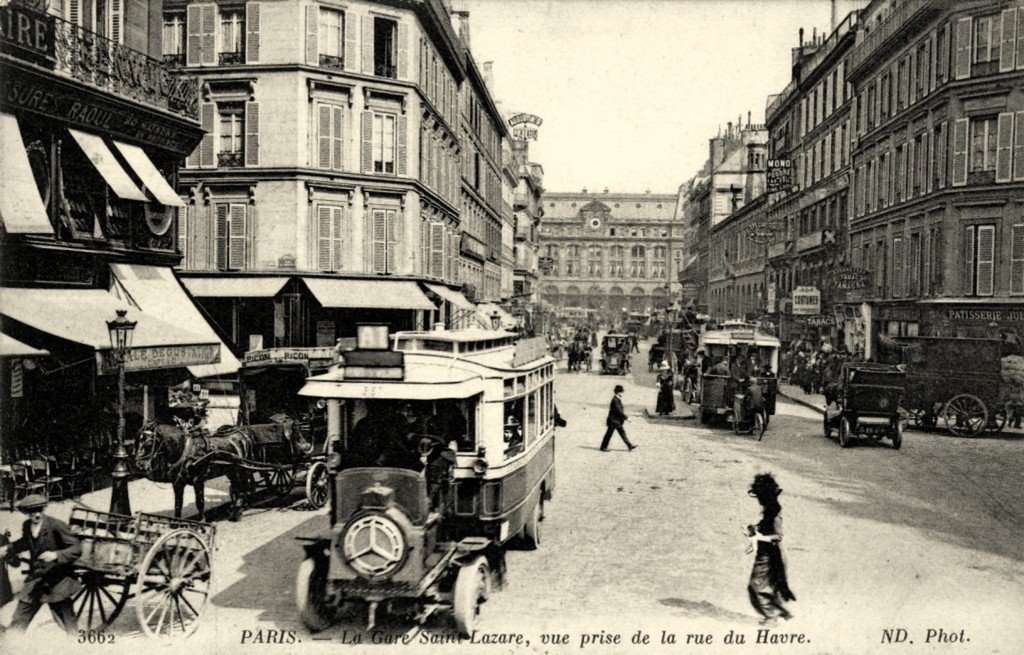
(666, 386)
(768, 586)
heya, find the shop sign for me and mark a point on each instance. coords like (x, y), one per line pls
(992, 315)
(159, 357)
(289, 355)
(26, 34)
(17, 378)
(691, 288)
(806, 301)
(780, 176)
(761, 231)
(820, 320)
(848, 278)
(521, 126)
(897, 314)
(771, 296)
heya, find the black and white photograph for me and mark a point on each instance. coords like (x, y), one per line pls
(512, 327)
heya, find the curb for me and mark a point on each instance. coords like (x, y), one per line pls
(806, 403)
(672, 417)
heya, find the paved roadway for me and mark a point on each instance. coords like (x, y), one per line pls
(928, 537)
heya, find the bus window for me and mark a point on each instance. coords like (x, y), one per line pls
(510, 387)
(513, 427)
(531, 417)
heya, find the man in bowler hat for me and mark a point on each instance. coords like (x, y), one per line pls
(616, 417)
(52, 550)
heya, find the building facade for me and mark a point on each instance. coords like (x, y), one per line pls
(94, 127)
(608, 251)
(328, 186)
(736, 263)
(809, 125)
(938, 170)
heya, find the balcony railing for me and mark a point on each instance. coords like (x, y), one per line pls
(384, 70)
(95, 61)
(331, 61)
(175, 60)
(908, 12)
(231, 58)
(231, 159)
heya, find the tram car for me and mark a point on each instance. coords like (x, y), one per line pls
(748, 409)
(442, 456)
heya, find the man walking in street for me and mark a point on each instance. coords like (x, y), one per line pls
(615, 420)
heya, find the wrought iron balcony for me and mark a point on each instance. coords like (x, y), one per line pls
(231, 58)
(907, 14)
(331, 61)
(79, 54)
(175, 60)
(384, 70)
(231, 159)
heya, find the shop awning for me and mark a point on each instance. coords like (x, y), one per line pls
(107, 165)
(234, 287)
(11, 347)
(81, 315)
(156, 290)
(368, 294)
(21, 207)
(150, 176)
(454, 297)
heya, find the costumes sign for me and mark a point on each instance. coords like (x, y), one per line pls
(806, 301)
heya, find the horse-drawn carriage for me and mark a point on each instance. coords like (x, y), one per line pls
(161, 562)
(615, 349)
(956, 380)
(279, 436)
(580, 354)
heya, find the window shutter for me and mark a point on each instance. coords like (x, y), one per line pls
(252, 134)
(236, 246)
(959, 176)
(403, 52)
(184, 248)
(323, 238)
(1007, 50)
(324, 125)
(1017, 260)
(337, 130)
(207, 150)
(116, 21)
(75, 12)
(897, 267)
(1018, 146)
(1004, 147)
(252, 33)
(1020, 38)
(942, 61)
(910, 169)
(222, 237)
(942, 159)
(437, 250)
(201, 237)
(313, 34)
(969, 260)
(911, 80)
(928, 162)
(193, 35)
(395, 229)
(368, 45)
(349, 56)
(933, 60)
(986, 258)
(209, 33)
(401, 165)
(378, 240)
(367, 136)
(962, 70)
(939, 255)
(337, 237)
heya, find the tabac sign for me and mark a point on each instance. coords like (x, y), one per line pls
(521, 126)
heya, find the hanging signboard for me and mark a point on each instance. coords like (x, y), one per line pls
(771, 297)
(780, 176)
(820, 320)
(806, 301)
(521, 126)
(847, 278)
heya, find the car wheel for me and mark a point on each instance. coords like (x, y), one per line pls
(844, 433)
(897, 435)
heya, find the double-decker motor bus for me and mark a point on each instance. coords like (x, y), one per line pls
(442, 456)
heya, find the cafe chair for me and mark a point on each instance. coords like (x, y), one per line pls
(42, 473)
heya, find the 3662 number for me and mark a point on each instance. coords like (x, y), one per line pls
(95, 637)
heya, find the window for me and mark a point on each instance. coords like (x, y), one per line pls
(231, 135)
(174, 38)
(923, 68)
(330, 122)
(916, 265)
(231, 233)
(637, 263)
(331, 38)
(885, 95)
(383, 143)
(1017, 260)
(232, 37)
(330, 232)
(986, 39)
(983, 144)
(385, 57)
(979, 259)
(383, 230)
(935, 260)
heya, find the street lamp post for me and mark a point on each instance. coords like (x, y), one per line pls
(496, 320)
(120, 330)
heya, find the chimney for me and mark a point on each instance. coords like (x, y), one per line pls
(584, 189)
(489, 75)
(728, 132)
(801, 44)
(833, 16)
(717, 154)
(606, 189)
(748, 119)
(460, 17)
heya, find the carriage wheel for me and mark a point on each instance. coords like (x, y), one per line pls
(996, 421)
(317, 485)
(965, 415)
(174, 585)
(280, 480)
(99, 601)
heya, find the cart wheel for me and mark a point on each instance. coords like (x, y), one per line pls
(996, 421)
(317, 485)
(759, 426)
(99, 601)
(174, 585)
(965, 415)
(280, 480)
(472, 587)
(531, 531)
(844, 433)
(316, 612)
(897, 435)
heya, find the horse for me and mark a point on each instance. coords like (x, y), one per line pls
(190, 456)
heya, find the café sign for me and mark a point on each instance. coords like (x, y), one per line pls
(806, 301)
(159, 357)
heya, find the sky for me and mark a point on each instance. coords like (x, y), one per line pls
(630, 91)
